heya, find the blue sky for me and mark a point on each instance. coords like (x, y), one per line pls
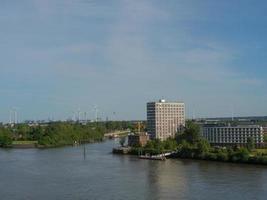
(58, 56)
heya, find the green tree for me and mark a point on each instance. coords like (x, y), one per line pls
(222, 155)
(5, 138)
(191, 133)
(203, 146)
(185, 150)
(170, 144)
(242, 154)
(250, 143)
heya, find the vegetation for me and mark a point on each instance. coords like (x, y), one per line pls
(5, 138)
(58, 133)
(250, 144)
(24, 142)
(189, 144)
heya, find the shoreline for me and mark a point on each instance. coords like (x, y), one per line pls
(33, 144)
(38, 146)
(251, 160)
(206, 160)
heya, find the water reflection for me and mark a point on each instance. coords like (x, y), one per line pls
(167, 180)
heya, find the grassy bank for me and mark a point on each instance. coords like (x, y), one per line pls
(24, 142)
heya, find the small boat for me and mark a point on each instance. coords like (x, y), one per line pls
(156, 157)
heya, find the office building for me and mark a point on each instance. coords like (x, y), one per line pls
(164, 119)
(233, 135)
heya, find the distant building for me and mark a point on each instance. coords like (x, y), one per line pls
(138, 139)
(233, 135)
(164, 119)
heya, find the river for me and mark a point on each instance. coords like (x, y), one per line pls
(65, 173)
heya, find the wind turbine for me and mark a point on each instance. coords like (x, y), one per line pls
(73, 116)
(10, 116)
(96, 112)
(79, 115)
(13, 113)
(85, 116)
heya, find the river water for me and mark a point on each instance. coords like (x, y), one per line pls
(65, 173)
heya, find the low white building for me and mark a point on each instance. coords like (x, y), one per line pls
(233, 135)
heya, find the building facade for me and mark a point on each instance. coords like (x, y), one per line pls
(140, 139)
(233, 135)
(164, 119)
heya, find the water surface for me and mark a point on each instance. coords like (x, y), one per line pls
(64, 173)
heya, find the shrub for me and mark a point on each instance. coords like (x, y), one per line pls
(241, 155)
(211, 156)
(5, 138)
(222, 156)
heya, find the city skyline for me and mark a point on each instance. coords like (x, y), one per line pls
(61, 56)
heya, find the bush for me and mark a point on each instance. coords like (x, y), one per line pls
(241, 155)
(5, 138)
(222, 156)
(211, 156)
(203, 147)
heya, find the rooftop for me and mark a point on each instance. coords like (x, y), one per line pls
(231, 126)
(165, 101)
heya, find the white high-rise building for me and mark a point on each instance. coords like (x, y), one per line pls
(164, 119)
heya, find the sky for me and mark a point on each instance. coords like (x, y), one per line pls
(61, 56)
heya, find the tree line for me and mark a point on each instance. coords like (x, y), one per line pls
(188, 143)
(60, 133)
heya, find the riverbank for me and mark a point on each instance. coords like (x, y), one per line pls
(24, 144)
(241, 156)
(34, 144)
(58, 134)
